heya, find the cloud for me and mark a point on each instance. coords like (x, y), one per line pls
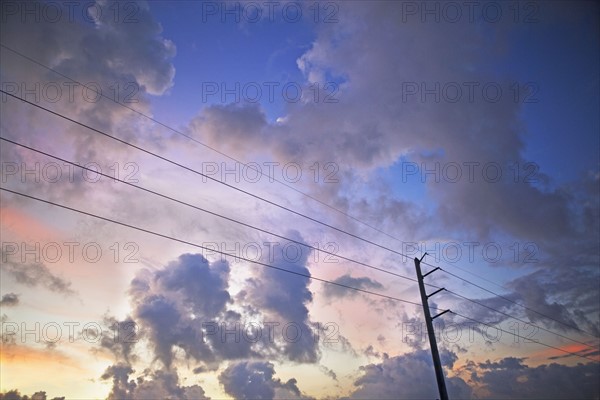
(36, 274)
(329, 372)
(534, 295)
(424, 131)
(359, 283)
(511, 378)
(73, 48)
(563, 300)
(371, 129)
(374, 126)
(158, 384)
(409, 376)
(285, 297)
(174, 304)
(254, 380)
(184, 312)
(9, 300)
(15, 395)
(125, 61)
(230, 127)
(126, 335)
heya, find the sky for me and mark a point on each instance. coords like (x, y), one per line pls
(225, 199)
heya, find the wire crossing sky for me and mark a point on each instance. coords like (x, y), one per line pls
(292, 240)
(312, 247)
(224, 199)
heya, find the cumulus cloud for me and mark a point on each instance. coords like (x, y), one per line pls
(73, 47)
(369, 130)
(374, 105)
(376, 126)
(182, 304)
(184, 312)
(254, 380)
(158, 384)
(409, 376)
(285, 297)
(427, 131)
(127, 62)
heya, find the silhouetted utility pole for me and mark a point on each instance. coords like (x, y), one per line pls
(439, 373)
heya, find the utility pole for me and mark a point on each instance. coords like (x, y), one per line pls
(439, 373)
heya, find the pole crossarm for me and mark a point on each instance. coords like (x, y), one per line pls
(432, 271)
(440, 314)
(436, 292)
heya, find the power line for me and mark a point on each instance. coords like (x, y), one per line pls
(470, 273)
(518, 319)
(206, 248)
(212, 213)
(276, 235)
(518, 304)
(204, 175)
(278, 268)
(285, 208)
(200, 142)
(270, 202)
(262, 174)
(267, 175)
(285, 238)
(528, 339)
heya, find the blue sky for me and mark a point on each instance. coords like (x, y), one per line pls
(228, 52)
